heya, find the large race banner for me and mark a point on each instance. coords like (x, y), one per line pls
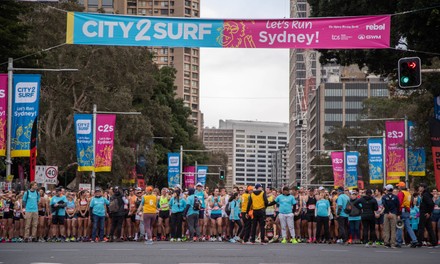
(395, 150)
(434, 129)
(25, 103)
(3, 112)
(105, 128)
(201, 174)
(338, 168)
(351, 178)
(173, 169)
(84, 141)
(375, 160)
(363, 32)
(416, 155)
(189, 172)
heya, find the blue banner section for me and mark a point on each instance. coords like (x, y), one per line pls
(173, 169)
(101, 29)
(416, 155)
(351, 180)
(84, 141)
(25, 102)
(201, 174)
(375, 160)
(437, 107)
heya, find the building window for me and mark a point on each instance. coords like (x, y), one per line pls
(188, 3)
(187, 11)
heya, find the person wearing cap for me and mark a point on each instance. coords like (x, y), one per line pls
(391, 211)
(426, 208)
(58, 204)
(341, 215)
(191, 213)
(258, 203)
(247, 221)
(97, 207)
(405, 209)
(286, 204)
(368, 205)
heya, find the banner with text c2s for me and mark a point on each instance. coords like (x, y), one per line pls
(105, 128)
(395, 150)
(362, 32)
(25, 104)
(84, 141)
(3, 112)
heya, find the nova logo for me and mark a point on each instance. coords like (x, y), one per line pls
(83, 127)
(375, 27)
(338, 161)
(352, 160)
(375, 149)
(26, 92)
(173, 161)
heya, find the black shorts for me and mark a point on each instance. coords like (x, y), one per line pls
(18, 218)
(296, 217)
(303, 216)
(311, 218)
(164, 214)
(215, 216)
(133, 218)
(58, 220)
(85, 216)
(202, 214)
(8, 215)
(41, 213)
(380, 220)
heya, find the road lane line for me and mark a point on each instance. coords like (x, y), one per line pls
(65, 250)
(174, 249)
(11, 250)
(235, 249)
(44, 263)
(119, 249)
(387, 251)
(334, 250)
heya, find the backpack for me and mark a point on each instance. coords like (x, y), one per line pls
(348, 208)
(197, 204)
(228, 209)
(114, 206)
(354, 210)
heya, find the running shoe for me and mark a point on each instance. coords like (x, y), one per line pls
(294, 241)
(310, 240)
(219, 239)
(350, 241)
(149, 242)
(194, 239)
(172, 240)
(67, 240)
(72, 239)
(284, 241)
(212, 239)
(179, 240)
(232, 240)
(250, 243)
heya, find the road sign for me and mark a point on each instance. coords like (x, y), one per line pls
(85, 186)
(46, 174)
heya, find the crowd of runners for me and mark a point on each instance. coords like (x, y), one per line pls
(391, 217)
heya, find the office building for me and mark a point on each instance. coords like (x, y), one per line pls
(279, 165)
(185, 60)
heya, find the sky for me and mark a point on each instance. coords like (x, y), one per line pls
(244, 84)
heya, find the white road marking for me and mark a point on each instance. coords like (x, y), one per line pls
(334, 250)
(235, 249)
(387, 251)
(119, 249)
(10, 250)
(174, 249)
(65, 250)
(44, 263)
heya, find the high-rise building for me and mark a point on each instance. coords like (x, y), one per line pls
(185, 60)
(279, 164)
(253, 143)
(221, 141)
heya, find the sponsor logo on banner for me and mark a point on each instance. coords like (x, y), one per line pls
(375, 149)
(308, 33)
(352, 160)
(173, 161)
(25, 104)
(201, 174)
(83, 126)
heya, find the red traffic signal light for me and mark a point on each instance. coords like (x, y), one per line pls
(409, 72)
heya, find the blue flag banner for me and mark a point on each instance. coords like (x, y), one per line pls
(201, 174)
(84, 141)
(437, 107)
(351, 174)
(375, 160)
(416, 155)
(25, 103)
(173, 169)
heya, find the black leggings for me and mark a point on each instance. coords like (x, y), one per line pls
(259, 218)
(232, 225)
(117, 222)
(369, 225)
(322, 221)
(176, 225)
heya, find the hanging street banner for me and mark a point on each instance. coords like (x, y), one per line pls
(434, 129)
(338, 168)
(105, 128)
(3, 112)
(362, 32)
(173, 169)
(190, 177)
(416, 155)
(375, 160)
(201, 174)
(395, 150)
(84, 141)
(351, 179)
(25, 102)
(437, 107)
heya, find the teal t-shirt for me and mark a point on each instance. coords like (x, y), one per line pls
(31, 199)
(343, 199)
(216, 210)
(285, 203)
(235, 206)
(56, 199)
(322, 207)
(177, 206)
(190, 202)
(201, 196)
(98, 205)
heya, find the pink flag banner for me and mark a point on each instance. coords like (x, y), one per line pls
(105, 126)
(338, 168)
(3, 112)
(395, 150)
(190, 173)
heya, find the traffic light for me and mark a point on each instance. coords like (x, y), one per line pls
(410, 75)
(222, 175)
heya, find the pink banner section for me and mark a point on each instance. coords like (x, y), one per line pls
(338, 168)
(395, 150)
(368, 32)
(105, 126)
(189, 176)
(3, 112)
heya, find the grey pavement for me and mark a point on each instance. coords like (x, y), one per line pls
(207, 252)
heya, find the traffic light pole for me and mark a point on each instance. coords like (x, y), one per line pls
(181, 160)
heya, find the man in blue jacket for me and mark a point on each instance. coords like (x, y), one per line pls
(98, 207)
(391, 206)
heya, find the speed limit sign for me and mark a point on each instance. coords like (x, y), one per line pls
(51, 174)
